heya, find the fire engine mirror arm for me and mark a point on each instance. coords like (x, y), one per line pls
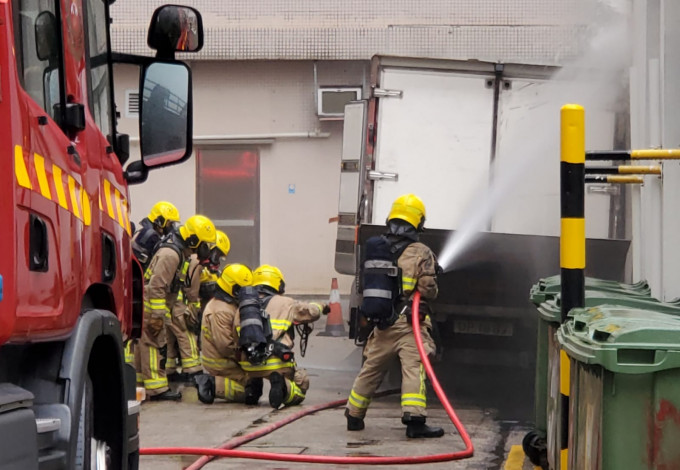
(136, 172)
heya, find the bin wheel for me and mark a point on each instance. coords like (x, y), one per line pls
(535, 447)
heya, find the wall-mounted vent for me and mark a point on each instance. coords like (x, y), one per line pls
(332, 101)
(131, 104)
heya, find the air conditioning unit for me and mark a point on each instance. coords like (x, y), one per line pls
(332, 100)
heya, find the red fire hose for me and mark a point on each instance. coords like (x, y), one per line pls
(227, 449)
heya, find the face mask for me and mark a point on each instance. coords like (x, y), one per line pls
(170, 227)
(214, 261)
(203, 251)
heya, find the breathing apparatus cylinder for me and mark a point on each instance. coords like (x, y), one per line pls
(255, 328)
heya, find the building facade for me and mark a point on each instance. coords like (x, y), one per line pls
(266, 166)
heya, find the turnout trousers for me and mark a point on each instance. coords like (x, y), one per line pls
(382, 346)
(151, 349)
(182, 348)
(230, 379)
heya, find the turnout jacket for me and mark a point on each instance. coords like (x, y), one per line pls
(418, 271)
(219, 340)
(160, 278)
(188, 303)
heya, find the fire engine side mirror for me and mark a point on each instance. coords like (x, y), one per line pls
(165, 123)
(46, 38)
(173, 29)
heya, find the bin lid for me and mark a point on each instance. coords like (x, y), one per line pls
(622, 339)
(550, 309)
(548, 288)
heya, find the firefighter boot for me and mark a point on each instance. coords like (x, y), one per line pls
(177, 377)
(167, 395)
(205, 384)
(277, 392)
(190, 379)
(253, 391)
(416, 427)
(353, 423)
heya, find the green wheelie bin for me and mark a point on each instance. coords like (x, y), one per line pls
(624, 403)
(547, 359)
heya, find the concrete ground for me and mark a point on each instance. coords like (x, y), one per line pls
(332, 363)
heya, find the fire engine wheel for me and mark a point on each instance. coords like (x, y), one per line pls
(91, 453)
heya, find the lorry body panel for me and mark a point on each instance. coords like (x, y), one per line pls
(463, 135)
(436, 134)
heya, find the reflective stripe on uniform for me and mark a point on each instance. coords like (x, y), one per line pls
(295, 392)
(156, 304)
(217, 363)
(129, 355)
(319, 306)
(381, 293)
(413, 399)
(281, 324)
(194, 346)
(358, 400)
(231, 387)
(408, 283)
(154, 384)
(190, 362)
(273, 363)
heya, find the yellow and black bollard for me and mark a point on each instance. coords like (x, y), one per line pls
(572, 240)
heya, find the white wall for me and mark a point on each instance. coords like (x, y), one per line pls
(266, 98)
(655, 122)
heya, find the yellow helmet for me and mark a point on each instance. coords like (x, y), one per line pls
(233, 277)
(271, 276)
(219, 252)
(198, 229)
(163, 212)
(410, 208)
(207, 276)
(222, 242)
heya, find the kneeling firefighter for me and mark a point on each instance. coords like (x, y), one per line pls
(274, 358)
(394, 266)
(219, 345)
(183, 326)
(163, 279)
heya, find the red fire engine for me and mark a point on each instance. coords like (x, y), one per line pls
(70, 291)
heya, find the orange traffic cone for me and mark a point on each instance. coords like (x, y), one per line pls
(335, 326)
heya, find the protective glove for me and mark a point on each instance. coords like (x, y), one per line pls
(326, 309)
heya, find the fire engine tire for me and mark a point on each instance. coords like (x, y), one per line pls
(85, 428)
(133, 460)
(91, 454)
(535, 448)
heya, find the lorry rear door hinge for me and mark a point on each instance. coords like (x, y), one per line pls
(382, 176)
(384, 93)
